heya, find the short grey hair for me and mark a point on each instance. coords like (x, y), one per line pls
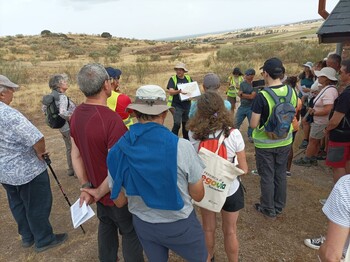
(91, 78)
(56, 81)
(3, 89)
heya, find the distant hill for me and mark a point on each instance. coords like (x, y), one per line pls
(219, 34)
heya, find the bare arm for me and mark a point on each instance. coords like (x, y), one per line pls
(323, 112)
(242, 161)
(196, 190)
(39, 148)
(255, 119)
(335, 120)
(332, 249)
(249, 96)
(173, 92)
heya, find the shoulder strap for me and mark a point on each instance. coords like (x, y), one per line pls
(276, 98)
(318, 96)
(221, 140)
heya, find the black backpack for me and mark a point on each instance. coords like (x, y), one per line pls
(283, 112)
(52, 116)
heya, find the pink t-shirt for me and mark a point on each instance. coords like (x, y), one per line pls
(326, 96)
(95, 129)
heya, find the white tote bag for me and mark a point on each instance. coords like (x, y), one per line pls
(217, 178)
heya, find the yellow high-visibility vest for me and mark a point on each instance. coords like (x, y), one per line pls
(170, 98)
(260, 137)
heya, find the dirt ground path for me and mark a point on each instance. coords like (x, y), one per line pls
(260, 239)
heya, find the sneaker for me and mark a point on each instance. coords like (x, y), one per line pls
(255, 172)
(323, 201)
(266, 213)
(27, 244)
(305, 162)
(289, 174)
(322, 155)
(304, 144)
(278, 211)
(59, 239)
(314, 243)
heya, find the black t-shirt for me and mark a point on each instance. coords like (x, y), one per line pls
(342, 105)
(260, 106)
(176, 98)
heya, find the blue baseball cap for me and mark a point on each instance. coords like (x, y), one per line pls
(113, 72)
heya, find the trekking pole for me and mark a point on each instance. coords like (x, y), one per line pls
(302, 151)
(48, 162)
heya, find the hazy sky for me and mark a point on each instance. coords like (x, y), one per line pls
(150, 19)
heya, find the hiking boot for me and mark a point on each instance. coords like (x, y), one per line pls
(314, 243)
(70, 173)
(27, 244)
(59, 239)
(307, 162)
(289, 174)
(304, 144)
(266, 213)
(278, 211)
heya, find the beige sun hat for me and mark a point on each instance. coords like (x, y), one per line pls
(150, 100)
(181, 66)
(328, 72)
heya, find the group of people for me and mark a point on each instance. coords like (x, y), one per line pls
(143, 177)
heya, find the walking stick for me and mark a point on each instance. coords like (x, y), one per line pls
(48, 162)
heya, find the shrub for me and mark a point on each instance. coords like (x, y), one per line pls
(45, 33)
(15, 71)
(106, 35)
(140, 70)
(95, 55)
(155, 57)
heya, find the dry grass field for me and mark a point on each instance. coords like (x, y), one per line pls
(30, 60)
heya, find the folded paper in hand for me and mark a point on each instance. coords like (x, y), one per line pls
(190, 90)
(80, 214)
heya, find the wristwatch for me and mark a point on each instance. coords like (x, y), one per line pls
(86, 185)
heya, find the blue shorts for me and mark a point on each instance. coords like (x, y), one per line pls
(185, 237)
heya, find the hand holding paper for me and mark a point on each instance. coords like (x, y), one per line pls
(80, 214)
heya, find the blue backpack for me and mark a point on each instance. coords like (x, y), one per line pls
(283, 112)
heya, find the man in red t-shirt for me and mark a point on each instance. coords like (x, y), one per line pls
(94, 130)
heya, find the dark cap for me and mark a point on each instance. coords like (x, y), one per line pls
(113, 72)
(273, 67)
(237, 71)
(250, 72)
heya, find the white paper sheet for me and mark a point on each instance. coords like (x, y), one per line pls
(80, 214)
(191, 90)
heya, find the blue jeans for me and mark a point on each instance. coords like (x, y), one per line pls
(242, 113)
(30, 205)
(185, 237)
(114, 219)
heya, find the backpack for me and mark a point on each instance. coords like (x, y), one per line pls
(283, 112)
(52, 117)
(212, 145)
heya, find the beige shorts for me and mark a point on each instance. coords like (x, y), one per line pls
(317, 131)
